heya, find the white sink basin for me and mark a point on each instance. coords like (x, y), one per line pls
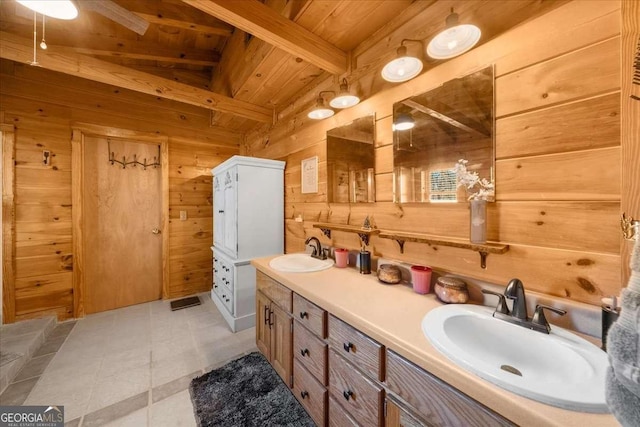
(559, 369)
(299, 263)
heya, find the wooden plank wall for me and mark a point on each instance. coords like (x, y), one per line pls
(557, 170)
(42, 105)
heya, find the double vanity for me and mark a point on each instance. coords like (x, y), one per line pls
(354, 352)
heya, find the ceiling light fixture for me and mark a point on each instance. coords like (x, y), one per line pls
(404, 121)
(403, 67)
(455, 40)
(321, 111)
(60, 9)
(345, 99)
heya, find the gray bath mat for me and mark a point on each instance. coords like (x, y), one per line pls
(246, 392)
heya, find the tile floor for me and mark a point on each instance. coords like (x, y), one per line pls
(131, 366)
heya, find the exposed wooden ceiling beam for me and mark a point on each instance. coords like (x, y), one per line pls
(21, 50)
(174, 56)
(224, 30)
(265, 23)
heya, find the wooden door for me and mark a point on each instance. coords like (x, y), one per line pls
(263, 331)
(281, 345)
(122, 220)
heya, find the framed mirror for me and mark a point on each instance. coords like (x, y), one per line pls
(432, 131)
(350, 162)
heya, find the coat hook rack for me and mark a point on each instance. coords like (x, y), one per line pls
(630, 227)
(124, 163)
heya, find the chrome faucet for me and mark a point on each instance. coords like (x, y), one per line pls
(518, 314)
(317, 249)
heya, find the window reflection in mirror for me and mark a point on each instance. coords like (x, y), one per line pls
(432, 131)
(350, 162)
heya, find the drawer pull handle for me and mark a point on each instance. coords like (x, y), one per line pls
(270, 318)
(304, 314)
(347, 394)
(266, 315)
(304, 352)
(304, 394)
(348, 346)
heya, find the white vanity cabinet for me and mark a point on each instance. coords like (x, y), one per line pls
(248, 222)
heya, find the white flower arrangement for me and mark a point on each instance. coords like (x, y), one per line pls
(470, 180)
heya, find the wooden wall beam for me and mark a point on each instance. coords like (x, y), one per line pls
(8, 224)
(223, 29)
(265, 23)
(20, 50)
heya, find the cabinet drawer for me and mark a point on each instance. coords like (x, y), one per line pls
(338, 416)
(311, 351)
(310, 393)
(276, 292)
(227, 299)
(356, 347)
(434, 400)
(359, 395)
(310, 315)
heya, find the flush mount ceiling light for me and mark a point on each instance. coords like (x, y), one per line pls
(60, 9)
(404, 67)
(456, 39)
(321, 111)
(404, 122)
(345, 99)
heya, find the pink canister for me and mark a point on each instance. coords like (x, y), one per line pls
(342, 257)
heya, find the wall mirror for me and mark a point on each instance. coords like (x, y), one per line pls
(350, 162)
(432, 131)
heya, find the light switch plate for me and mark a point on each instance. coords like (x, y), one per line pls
(183, 215)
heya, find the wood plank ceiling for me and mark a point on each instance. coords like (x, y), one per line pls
(250, 63)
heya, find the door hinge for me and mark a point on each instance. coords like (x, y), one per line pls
(385, 409)
(236, 177)
(291, 381)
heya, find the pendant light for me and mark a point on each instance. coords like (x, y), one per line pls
(60, 9)
(321, 111)
(403, 67)
(345, 99)
(404, 121)
(454, 40)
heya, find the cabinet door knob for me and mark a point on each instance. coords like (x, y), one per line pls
(227, 300)
(220, 211)
(347, 394)
(304, 352)
(304, 314)
(348, 346)
(304, 394)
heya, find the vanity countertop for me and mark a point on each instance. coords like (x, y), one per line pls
(392, 315)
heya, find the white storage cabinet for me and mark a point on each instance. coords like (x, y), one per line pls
(248, 222)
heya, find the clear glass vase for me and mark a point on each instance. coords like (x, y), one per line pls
(478, 221)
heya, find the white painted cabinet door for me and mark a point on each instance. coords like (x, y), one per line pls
(230, 214)
(218, 211)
